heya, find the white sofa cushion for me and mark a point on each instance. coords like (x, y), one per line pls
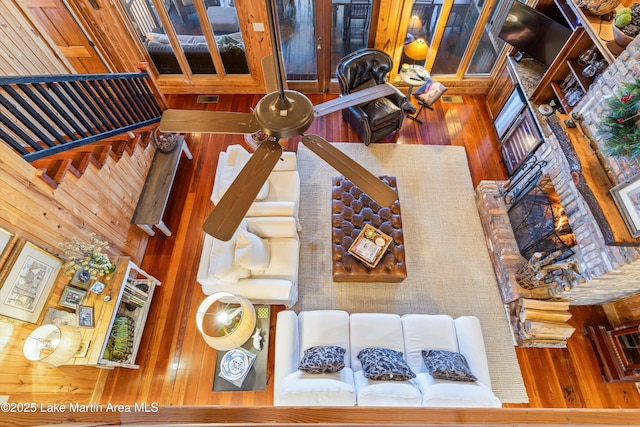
(222, 262)
(385, 393)
(471, 345)
(374, 330)
(272, 226)
(234, 159)
(283, 184)
(427, 332)
(442, 393)
(324, 327)
(276, 208)
(251, 251)
(329, 389)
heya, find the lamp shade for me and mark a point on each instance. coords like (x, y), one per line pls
(226, 321)
(417, 50)
(52, 345)
(415, 25)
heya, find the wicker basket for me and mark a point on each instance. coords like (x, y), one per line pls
(598, 7)
(165, 142)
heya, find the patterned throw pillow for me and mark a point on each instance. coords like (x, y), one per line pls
(322, 359)
(447, 365)
(430, 91)
(384, 364)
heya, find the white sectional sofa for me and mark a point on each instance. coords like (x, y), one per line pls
(409, 334)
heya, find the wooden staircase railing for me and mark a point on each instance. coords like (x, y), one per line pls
(45, 115)
(54, 168)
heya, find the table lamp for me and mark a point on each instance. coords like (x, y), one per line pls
(226, 321)
(52, 345)
(417, 50)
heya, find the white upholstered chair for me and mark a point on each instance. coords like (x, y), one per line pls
(260, 262)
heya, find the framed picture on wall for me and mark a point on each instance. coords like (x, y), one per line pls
(28, 281)
(627, 198)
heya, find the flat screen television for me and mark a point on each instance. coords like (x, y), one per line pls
(534, 33)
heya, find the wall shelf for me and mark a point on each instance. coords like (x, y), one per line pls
(599, 30)
(565, 64)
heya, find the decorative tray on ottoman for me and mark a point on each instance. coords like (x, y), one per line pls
(370, 245)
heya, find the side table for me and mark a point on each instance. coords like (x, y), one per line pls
(415, 75)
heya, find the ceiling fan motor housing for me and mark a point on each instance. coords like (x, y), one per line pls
(284, 117)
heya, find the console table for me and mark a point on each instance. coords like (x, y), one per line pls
(111, 303)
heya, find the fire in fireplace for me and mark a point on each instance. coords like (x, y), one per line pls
(539, 222)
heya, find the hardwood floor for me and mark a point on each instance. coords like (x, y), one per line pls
(177, 367)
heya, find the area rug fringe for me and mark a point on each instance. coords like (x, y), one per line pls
(448, 266)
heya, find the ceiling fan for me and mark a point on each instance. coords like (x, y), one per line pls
(279, 114)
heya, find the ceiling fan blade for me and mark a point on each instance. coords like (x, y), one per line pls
(269, 75)
(356, 98)
(353, 171)
(179, 121)
(229, 212)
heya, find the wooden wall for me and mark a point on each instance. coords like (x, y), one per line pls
(101, 201)
(24, 49)
(53, 18)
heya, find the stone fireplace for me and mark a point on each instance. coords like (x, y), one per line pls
(539, 221)
(609, 271)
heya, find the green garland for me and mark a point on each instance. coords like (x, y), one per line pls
(622, 135)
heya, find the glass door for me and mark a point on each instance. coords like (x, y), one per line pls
(315, 35)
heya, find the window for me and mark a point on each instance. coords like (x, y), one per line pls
(186, 24)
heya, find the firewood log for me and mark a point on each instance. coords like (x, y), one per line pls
(548, 330)
(525, 303)
(544, 315)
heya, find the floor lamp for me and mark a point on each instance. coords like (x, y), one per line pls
(226, 321)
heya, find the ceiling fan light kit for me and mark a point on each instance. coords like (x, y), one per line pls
(284, 117)
(279, 114)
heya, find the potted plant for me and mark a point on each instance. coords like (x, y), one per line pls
(86, 260)
(626, 25)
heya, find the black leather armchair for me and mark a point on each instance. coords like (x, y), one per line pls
(376, 119)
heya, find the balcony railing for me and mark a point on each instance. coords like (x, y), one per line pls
(44, 115)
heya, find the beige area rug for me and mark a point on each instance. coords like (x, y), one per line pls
(448, 266)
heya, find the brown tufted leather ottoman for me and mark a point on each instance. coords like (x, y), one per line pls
(351, 210)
